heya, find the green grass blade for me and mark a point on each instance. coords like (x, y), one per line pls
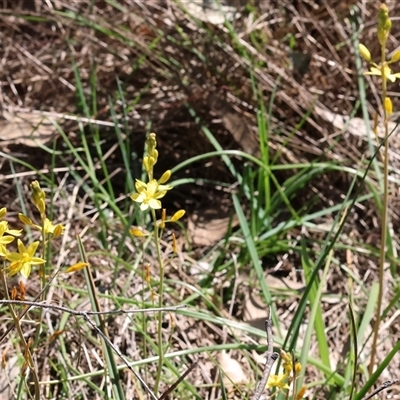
(315, 300)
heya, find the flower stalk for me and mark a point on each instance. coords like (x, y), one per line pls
(384, 71)
(148, 195)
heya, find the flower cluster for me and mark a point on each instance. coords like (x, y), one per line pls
(291, 370)
(383, 68)
(149, 194)
(22, 260)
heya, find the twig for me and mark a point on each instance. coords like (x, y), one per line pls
(185, 374)
(86, 313)
(384, 386)
(271, 358)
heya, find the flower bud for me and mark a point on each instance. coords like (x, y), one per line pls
(165, 177)
(388, 106)
(178, 215)
(77, 267)
(24, 219)
(3, 212)
(384, 24)
(365, 54)
(38, 197)
(395, 57)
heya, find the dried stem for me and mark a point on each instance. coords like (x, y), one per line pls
(271, 358)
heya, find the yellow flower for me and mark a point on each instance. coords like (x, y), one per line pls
(149, 193)
(49, 228)
(387, 72)
(279, 381)
(24, 259)
(4, 240)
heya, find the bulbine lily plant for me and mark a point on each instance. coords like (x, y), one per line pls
(382, 70)
(23, 262)
(148, 195)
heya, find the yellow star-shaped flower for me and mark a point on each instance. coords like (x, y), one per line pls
(148, 194)
(387, 72)
(23, 260)
(279, 381)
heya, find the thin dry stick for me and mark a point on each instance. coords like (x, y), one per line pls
(384, 386)
(271, 358)
(86, 313)
(185, 374)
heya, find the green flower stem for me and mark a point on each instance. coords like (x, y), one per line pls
(384, 214)
(29, 358)
(42, 276)
(160, 303)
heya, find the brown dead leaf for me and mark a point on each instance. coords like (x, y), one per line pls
(209, 226)
(234, 123)
(29, 129)
(232, 371)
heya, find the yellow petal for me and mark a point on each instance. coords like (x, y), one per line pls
(152, 186)
(21, 247)
(144, 206)
(160, 194)
(77, 267)
(31, 250)
(140, 186)
(154, 204)
(391, 77)
(36, 261)
(14, 232)
(136, 232)
(26, 270)
(373, 71)
(14, 269)
(134, 196)
(13, 256)
(6, 239)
